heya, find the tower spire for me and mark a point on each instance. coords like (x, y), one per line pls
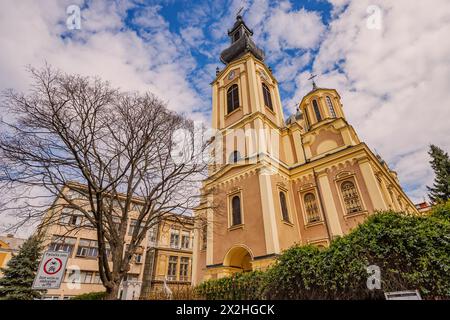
(313, 82)
(241, 42)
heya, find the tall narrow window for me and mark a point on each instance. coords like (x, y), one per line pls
(184, 269)
(235, 156)
(284, 209)
(133, 225)
(236, 211)
(330, 107)
(172, 268)
(267, 97)
(204, 236)
(185, 240)
(236, 36)
(312, 209)
(232, 98)
(316, 110)
(351, 197)
(175, 238)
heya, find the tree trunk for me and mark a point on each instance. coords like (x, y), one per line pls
(112, 291)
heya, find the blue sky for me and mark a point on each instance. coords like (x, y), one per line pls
(380, 55)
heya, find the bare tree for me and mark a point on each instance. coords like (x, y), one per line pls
(110, 148)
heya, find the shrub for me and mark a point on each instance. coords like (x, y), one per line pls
(240, 286)
(412, 252)
(91, 296)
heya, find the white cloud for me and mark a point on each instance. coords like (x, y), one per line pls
(154, 60)
(394, 81)
(192, 35)
(290, 29)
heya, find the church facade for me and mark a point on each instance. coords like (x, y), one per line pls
(277, 182)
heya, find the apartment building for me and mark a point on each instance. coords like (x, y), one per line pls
(71, 232)
(168, 258)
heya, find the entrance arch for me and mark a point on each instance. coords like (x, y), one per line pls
(239, 258)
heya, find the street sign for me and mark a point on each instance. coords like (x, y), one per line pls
(403, 295)
(51, 270)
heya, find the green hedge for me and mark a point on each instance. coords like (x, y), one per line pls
(241, 286)
(412, 252)
(91, 296)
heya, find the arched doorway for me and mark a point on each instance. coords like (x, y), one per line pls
(239, 258)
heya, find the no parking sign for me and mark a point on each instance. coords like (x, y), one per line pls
(51, 270)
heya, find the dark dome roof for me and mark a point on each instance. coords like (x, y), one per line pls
(243, 45)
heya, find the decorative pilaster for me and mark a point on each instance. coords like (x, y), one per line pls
(372, 185)
(329, 205)
(269, 221)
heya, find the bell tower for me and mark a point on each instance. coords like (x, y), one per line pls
(245, 86)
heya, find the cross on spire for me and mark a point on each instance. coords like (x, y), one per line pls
(238, 13)
(313, 82)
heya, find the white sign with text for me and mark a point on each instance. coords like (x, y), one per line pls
(51, 270)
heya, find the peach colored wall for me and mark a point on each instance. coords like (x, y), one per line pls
(326, 135)
(288, 233)
(252, 233)
(234, 116)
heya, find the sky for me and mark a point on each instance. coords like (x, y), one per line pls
(389, 60)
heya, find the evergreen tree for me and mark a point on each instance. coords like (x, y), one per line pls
(440, 162)
(20, 271)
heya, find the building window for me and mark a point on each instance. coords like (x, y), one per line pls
(133, 226)
(138, 258)
(316, 110)
(236, 211)
(130, 277)
(185, 240)
(69, 218)
(184, 269)
(87, 248)
(267, 97)
(284, 209)
(172, 269)
(174, 238)
(85, 276)
(351, 197)
(152, 236)
(312, 209)
(330, 107)
(97, 278)
(236, 36)
(235, 156)
(65, 244)
(204, 236)
(232, 98)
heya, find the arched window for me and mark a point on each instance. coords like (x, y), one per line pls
(312, 209)
(204, 236)
(351, 197)
(284, 209)
(232, 98)
(316, 110)
(236, 211)
(267, 97)
(235, 156)
(330, 107)
(236, 36)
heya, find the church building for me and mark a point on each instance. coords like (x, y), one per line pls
(277, 183)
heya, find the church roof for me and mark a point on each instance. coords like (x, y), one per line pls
(12, 242)
(242, 45)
